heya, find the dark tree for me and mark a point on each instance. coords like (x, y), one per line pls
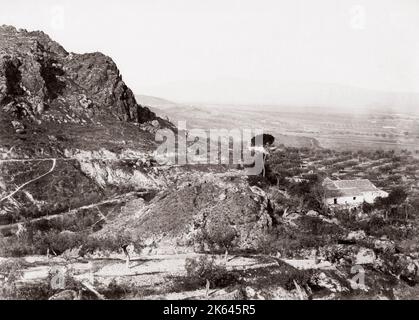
(267, 139)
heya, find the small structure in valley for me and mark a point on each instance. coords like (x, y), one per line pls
(351, 192)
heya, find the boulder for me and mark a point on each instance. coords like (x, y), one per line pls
(321, 280)
(365, 256)
(18, 126)
(253, 294)
(339, 254)
(356, 235)
(312, 213)
(258, 191)
(274, 293)
(384, 245)
(222, 196)
(407, 269)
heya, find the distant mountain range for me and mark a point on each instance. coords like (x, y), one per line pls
(298, 125)
(289, 95)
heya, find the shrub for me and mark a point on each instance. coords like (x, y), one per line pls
(34, 291)
(317, 227)
(14, 247)
(289, 241)
(110, 243)
(11, 270)
(204, 268)
(116, 290)
(59, 242)
(375, 225)
(282, 275)
(218, 233)
(367, 208)
(301, 277)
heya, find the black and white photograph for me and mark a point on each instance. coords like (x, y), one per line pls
(228, 151)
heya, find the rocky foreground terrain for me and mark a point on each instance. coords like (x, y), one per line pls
(80, 189)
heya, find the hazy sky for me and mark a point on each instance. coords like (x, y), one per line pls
(191, 49)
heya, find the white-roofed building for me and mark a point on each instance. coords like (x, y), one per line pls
(351, 192)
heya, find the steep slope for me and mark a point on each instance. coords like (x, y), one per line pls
(40, 80)
(46, 91)
(198, 211)
(65, 120)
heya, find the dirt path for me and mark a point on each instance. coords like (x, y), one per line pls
(155, 272)
(118, 199)
(164, 265)
(145, 271)
(115, 266)
(305, 264)
(54, 163)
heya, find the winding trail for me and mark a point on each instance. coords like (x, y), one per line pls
(117, 199)
(54, 163)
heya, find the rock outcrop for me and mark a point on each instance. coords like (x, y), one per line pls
(206, 213)
(68, 128)
(40, 80)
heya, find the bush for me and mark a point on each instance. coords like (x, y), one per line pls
(204, 268)
(14, 247)
(301, 277)
(59, 242)
(219, 234)
(317, 227)
(11, 270)
(39, 243)
(29, 292)
(11, 289)
(282, 275)
(290, 241)
(110, 243)
(367, 208)
(396, 197)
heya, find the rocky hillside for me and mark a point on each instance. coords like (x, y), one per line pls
(71, 131)
(201, 211)
(78, 180)
(56, 95)
(40, 80)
